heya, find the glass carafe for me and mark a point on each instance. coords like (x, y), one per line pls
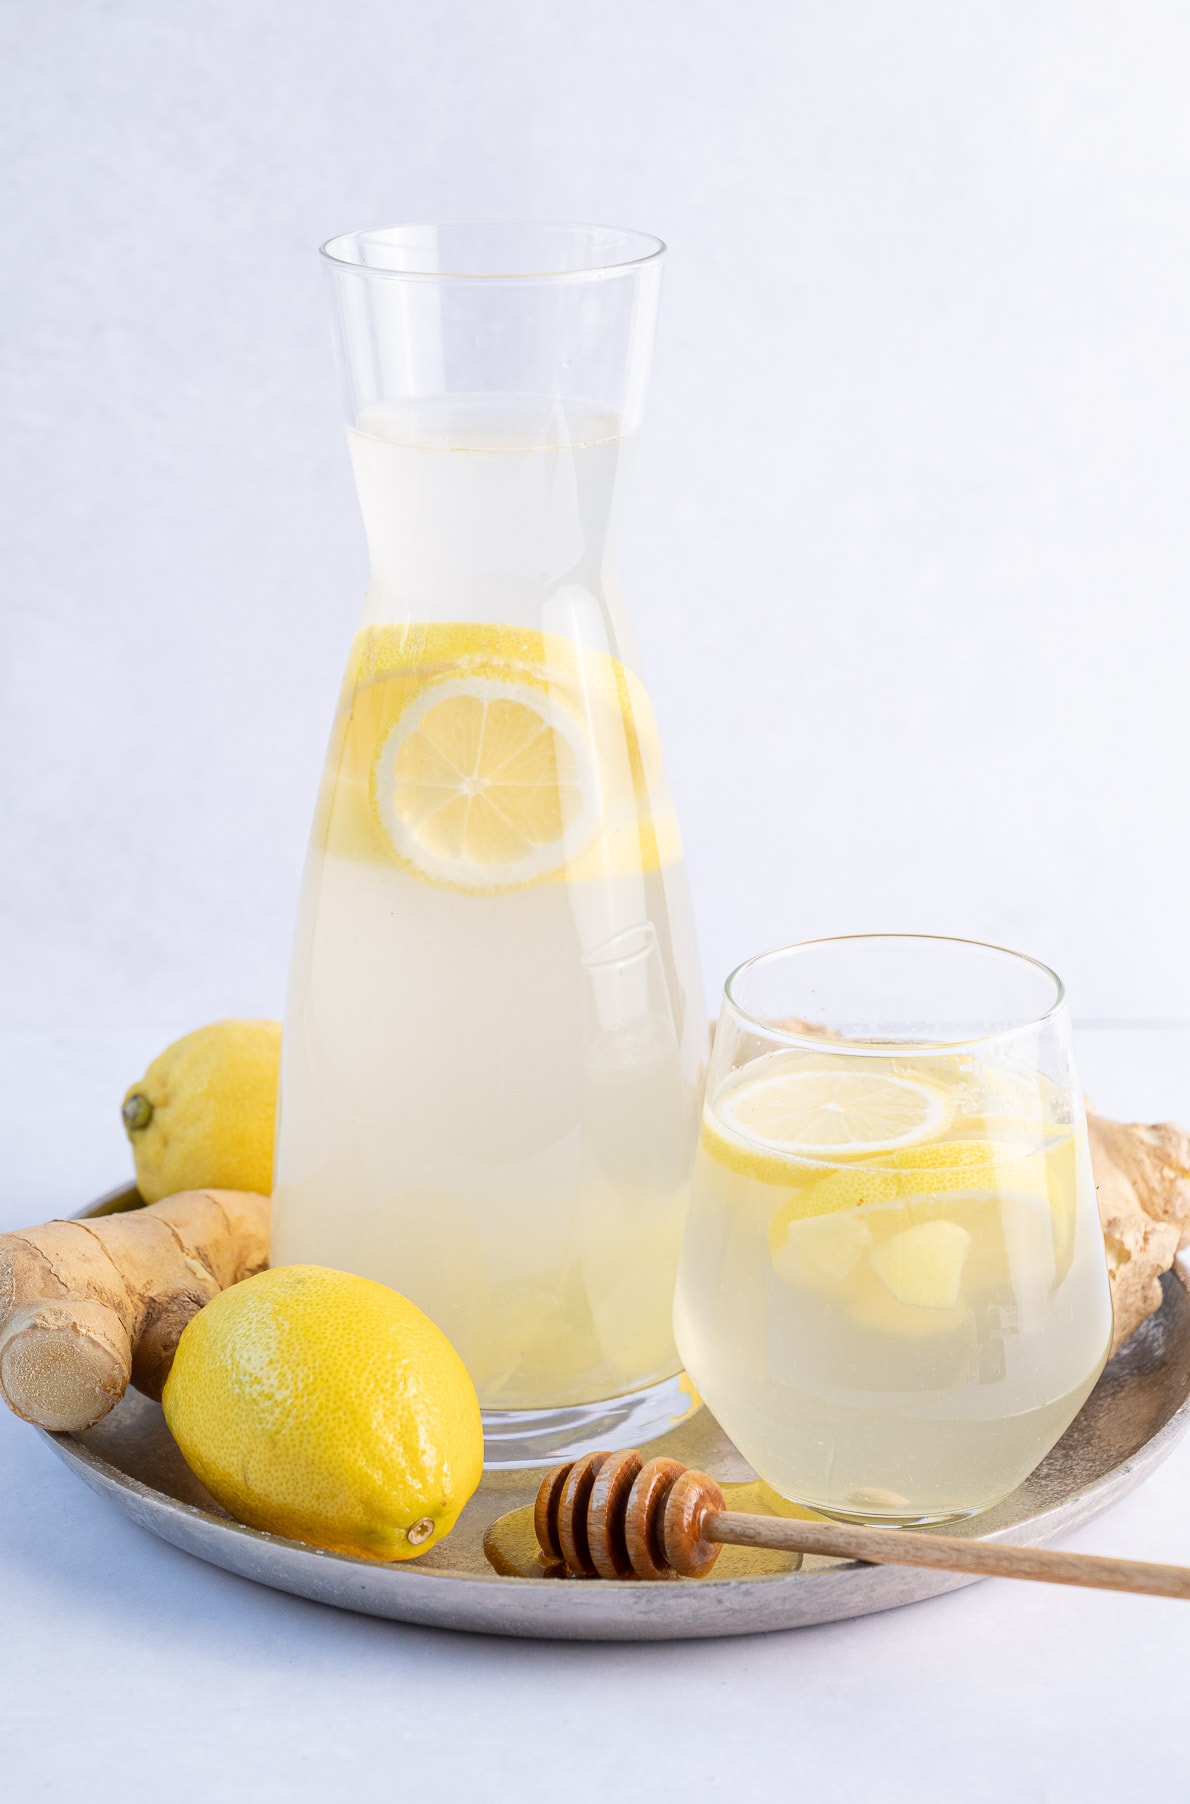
(495, 1032)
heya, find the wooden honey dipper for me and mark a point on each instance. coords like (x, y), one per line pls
(614, 1516)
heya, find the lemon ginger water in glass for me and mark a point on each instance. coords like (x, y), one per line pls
(893, 1291)
(493, 1047)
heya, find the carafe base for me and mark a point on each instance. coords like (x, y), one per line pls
(546, 1437)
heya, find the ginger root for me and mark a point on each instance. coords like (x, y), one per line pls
(1142, 1176)
(88, 1306)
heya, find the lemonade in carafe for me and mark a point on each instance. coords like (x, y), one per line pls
(495, 1031)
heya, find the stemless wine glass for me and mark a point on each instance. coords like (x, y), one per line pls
(893, 1291)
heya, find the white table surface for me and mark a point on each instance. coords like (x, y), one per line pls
(129, 1670)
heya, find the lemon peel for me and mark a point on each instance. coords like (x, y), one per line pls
(922, 1175)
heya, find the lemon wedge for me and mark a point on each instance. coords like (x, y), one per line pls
(485, 783)
(923, 1265)
(827, 1248)
(827, 1113)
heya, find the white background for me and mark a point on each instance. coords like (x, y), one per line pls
(908, 554)
(907, 562)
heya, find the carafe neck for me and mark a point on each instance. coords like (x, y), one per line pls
(484, 507)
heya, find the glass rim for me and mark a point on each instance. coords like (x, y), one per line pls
(651, 249)
(875, 1049)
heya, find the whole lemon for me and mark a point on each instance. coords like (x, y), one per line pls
(203, 1115)
(327, 1408)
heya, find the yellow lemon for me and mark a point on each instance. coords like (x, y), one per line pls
(203, 1115)
(326, 1408)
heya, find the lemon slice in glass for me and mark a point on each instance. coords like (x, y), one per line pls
(828, 1113)
(482, 783)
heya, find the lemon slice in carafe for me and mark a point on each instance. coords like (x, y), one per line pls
(484, 783)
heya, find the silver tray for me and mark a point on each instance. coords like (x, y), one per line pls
(1134, 1417)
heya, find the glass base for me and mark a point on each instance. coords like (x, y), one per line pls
(876, 1518)
(546, 1437)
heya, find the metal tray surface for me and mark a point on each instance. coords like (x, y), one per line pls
(1134, 1417)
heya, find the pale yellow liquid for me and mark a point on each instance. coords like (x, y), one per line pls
(490, 1096)
(907, 1381)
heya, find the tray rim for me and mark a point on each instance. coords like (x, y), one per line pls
(491, 1603)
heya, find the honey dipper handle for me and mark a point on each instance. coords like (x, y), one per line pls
(947, 1553)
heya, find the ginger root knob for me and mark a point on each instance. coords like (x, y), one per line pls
(1142, 1177)
(86, 1307)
